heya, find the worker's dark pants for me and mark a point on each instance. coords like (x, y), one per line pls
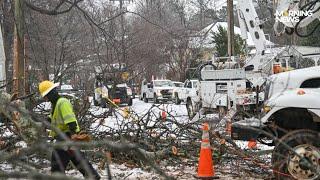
(60, 159)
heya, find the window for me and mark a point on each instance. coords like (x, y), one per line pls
(163, 84)
(188, 85)
(222, 87)
(194, 84)
(178, 84)
(311, 83)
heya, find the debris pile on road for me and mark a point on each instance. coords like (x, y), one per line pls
(139, 139)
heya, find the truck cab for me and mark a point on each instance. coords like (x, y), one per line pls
(188, 91)
(291, 120)
(157, 90)
(288, 104)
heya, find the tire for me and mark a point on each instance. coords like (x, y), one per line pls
(103, 103)
(222, 112)
(240, 115)
(95, 102)
(190, 109)
(286, 161)
(145, 99)
(155, 99)
(177, 101)
(130, 102)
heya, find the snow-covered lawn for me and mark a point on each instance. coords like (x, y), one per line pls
(227, 166)
(179, 113)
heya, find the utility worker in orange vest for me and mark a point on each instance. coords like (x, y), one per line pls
(63, 118)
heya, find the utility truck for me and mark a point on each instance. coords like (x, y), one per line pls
(290, 118)
(223, 90)
(225, 85)
(110, 86)
(188, 92)
(157, 90)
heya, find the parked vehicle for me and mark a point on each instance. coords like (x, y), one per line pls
(158, 90)
(67, 90)
(291, 115)
(223, 90)
(188, 92)
(121, 94)
(178, 84)
(111, 85)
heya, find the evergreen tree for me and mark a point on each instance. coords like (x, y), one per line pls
(220, 39)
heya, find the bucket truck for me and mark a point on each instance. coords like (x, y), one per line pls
(110, 86)
(228, 86)
(290, 118)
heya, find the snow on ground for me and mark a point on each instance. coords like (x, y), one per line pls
(223, 169)
(179, 112)
(138, 110)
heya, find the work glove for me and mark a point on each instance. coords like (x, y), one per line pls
(81, 136)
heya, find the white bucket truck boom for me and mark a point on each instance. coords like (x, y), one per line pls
(227, 88)
(259, 66)
(291, 114)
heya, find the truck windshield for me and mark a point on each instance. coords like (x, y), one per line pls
(267, 90)
(163, 83)
(177, 84)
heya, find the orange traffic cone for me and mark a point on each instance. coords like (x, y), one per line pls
(205, 167)
(163, 113)
(252, 144)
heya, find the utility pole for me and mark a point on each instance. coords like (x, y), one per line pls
(18, 60)
(26, 60)
(230, 28)
(122, 35)
(2, 61)
(122, 31)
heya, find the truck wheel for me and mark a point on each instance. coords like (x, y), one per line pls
(95, 102)
(145, 99)
(177, 101)
(130, 102)
(222, 112)
(103, 103)
(240, 115)
(155, 99)
(298, 156)
(190, 109)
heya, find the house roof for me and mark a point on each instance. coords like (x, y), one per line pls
(307, 50)
(304, 51)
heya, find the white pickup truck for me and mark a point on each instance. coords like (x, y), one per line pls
(291, 119)
(187, 92)
(158, 90)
